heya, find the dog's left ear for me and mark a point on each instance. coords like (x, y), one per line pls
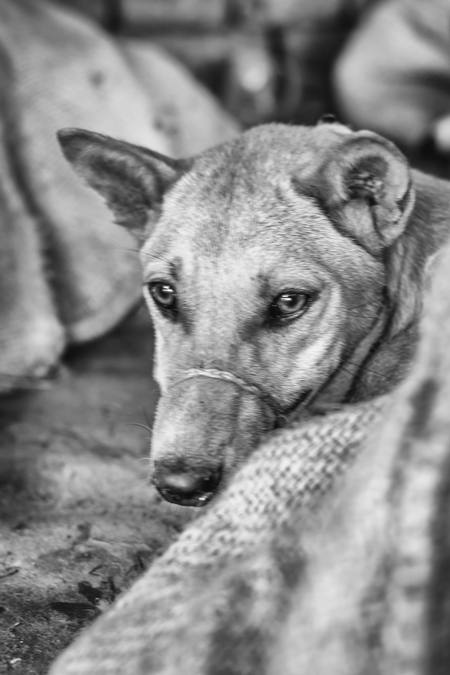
(368, 189)
(132, 180)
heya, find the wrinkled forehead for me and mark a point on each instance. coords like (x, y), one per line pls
(234, 212)
(260, 224)
(245, 193)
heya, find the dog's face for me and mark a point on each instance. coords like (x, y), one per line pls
(263, 272)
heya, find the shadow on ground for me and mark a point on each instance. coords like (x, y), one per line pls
(78, 518)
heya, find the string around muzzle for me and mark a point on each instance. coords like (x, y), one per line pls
(195, 485)
(217, 374)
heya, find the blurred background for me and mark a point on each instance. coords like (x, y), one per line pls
(264, 59)
(79, 520)
(378, 64)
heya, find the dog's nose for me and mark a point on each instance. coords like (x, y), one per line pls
(187, 487)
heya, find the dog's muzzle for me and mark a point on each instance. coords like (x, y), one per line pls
(193, 483)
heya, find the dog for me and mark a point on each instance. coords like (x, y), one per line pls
(284, 270)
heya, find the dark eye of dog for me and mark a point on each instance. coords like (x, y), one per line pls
(163, 294)
(288, 304)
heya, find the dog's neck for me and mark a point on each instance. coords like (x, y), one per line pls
(382, 359)
(339, 387)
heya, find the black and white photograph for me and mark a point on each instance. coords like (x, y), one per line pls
(224, 337)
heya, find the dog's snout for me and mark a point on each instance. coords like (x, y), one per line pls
(187, 486)
(204, 428)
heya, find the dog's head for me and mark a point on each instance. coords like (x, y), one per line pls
(263, 269)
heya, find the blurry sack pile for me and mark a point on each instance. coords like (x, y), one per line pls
(67, 275)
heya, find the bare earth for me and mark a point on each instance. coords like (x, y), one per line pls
(78, 518)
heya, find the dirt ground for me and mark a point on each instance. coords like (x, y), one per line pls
(78, 518)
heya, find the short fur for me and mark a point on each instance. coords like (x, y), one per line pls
(324, 211)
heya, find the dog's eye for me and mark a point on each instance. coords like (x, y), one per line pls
(163, 294)
(288, 304)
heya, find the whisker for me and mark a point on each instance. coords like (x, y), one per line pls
(354, 372)
(359, 306)
(347, 370)
(359, 315)
(142, 483)
(138, 424)
(149, 254)
(359, 309)
(146, 417)
(119, 248)
(369, 370)
(158, 256)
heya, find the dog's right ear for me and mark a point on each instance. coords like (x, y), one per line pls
(132, 180)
